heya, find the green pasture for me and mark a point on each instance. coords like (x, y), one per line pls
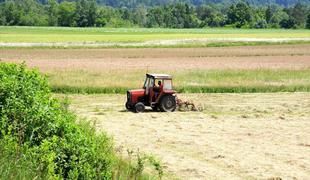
(62, 34)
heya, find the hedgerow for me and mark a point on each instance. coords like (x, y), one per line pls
(39, 131)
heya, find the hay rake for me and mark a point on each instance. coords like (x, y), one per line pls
(187, 106)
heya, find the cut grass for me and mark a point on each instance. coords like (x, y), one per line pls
(189, 81)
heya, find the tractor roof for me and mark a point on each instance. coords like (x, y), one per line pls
(160, 76)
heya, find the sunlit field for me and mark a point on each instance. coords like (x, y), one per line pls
(236, 136)
(135, 35)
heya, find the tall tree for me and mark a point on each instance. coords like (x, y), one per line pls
(52, 9)
(140, 14)
(308, 22)
(81, 13)
(299, 13)
(66, 14)
(240, 14)
(12, 13)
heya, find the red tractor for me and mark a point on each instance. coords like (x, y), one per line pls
(157, 93)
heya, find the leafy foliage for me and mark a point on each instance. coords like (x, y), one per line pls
(39, 127)
(308, 22)
(132, 4)
(86, 13)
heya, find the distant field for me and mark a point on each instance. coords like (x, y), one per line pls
(89, 37)
(225, 69)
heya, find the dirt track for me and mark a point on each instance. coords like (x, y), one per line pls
(238, 136)
(249, 57)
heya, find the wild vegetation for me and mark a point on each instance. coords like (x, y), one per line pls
(86, 13)
(41, 139)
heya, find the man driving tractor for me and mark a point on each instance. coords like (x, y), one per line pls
(160, 97)
(157, 89)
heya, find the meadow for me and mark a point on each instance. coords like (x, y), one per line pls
(133, 37)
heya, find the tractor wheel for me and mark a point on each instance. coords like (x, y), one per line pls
(167, 103)
(128, 107)
(139, 107)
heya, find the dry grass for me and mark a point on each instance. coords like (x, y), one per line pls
(237, 136)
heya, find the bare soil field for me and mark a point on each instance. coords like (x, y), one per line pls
(245, 57)
(237, 136)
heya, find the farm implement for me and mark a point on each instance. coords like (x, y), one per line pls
(158, 93)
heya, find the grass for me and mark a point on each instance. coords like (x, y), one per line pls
(190, 81)
(61, 34)
(187, 89)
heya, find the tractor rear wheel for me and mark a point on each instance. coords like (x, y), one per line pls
(139, 107)
(168, 103)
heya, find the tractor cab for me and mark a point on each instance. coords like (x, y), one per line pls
(157, 93)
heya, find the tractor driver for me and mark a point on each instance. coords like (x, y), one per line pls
(158, 89)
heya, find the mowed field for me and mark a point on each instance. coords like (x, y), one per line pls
(237, 136)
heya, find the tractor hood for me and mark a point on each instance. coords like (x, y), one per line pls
(137, 92)
(134, 95)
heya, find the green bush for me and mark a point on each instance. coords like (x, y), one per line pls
(37, 126)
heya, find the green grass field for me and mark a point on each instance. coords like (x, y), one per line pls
(61, 34)
(193, 81)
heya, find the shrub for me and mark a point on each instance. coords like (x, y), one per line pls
(36, 125)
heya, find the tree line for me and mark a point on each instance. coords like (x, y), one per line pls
(151, 3)
(87, 13)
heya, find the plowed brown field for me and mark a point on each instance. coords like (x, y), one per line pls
(248, 57)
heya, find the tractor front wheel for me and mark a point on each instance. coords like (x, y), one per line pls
(128, 106)
(139, 107)
(168, 103)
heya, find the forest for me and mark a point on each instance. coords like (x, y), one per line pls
(153, 14)
(149, 3)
